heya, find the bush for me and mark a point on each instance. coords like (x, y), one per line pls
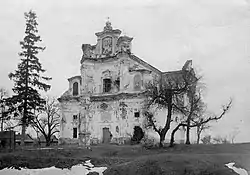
(148, 143)
(138, 135)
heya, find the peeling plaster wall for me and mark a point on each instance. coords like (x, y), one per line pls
(67, 125)
(100, 115)
(94, 73)
(110, 114)
(117, 115)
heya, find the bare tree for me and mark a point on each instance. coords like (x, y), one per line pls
(166, 93)
(200, 128)
(47, 120)
(3, 107)
(221, 140)
(233, 134)
(193, 110)
(201, 121)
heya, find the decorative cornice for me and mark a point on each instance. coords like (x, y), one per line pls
(103, 97)
(116, 31)
(113, 97)
(100, 60)
(140, 70)
(74, 77)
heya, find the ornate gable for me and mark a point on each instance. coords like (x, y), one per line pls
(106, 43)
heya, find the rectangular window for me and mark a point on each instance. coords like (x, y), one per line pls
(74, 117)
(107, 85)
(74, 132)
(137, 114)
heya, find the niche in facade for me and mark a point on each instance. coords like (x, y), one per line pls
(107, 45)
(123, 108)
(117, 84)
(137, 82)
(75, 88)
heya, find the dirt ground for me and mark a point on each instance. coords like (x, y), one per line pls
(136, 160)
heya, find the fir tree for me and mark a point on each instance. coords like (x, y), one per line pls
(27, 78)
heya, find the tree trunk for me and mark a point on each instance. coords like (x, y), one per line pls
(2, 119)
(2, 123)
(162, 138)
(168, 121)
(24, 119)
(188, 132)
(198, 135)
(48, 142)
(198, 139)
(173, 133)
(23, 134)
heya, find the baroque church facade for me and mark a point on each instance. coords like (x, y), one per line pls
(105, 102)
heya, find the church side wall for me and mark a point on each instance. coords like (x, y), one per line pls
(68, 110)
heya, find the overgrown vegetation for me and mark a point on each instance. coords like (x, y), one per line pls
(179, 94)
(167, 93)
(137, 135)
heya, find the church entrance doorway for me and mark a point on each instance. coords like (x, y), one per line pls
(106, 135)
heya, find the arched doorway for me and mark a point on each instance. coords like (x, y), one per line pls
(106, 135)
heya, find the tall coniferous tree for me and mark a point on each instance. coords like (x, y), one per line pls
(27, 78)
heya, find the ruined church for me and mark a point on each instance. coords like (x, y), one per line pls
(104, 103)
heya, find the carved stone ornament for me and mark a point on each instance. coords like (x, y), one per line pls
(106, 73)
(103, 106)
(124, 44)
(107, 45)
(88, 50)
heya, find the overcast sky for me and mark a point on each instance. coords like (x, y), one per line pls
(215, 34)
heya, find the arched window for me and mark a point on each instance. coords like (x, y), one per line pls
(137, 82)
(75, 88)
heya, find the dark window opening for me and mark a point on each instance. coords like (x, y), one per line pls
(75, 88)
(137, 114)
(74, 132)
(74, 117)
(107, 85)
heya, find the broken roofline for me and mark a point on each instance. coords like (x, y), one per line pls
(137, 59)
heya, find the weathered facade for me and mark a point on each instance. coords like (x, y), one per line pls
(105, 102)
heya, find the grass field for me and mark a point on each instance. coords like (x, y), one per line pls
(136, 160)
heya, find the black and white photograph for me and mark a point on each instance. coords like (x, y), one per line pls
(114, 87)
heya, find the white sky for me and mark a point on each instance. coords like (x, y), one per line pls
(215, 34)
